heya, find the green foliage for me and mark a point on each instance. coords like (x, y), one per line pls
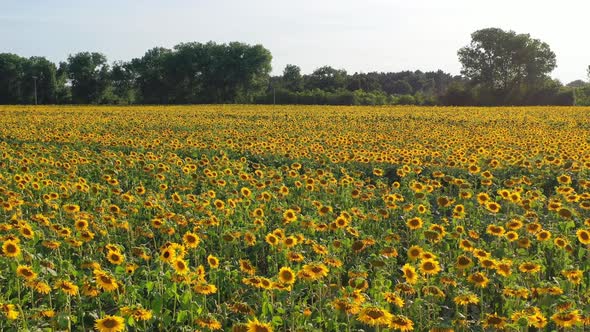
(18, 77)
(504, 61)
(292, 79)
(326, 78)
(88, 73)
(202, 73)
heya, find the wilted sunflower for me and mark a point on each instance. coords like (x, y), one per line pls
(110, 324)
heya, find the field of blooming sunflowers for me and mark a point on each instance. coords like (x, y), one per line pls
(252, 218)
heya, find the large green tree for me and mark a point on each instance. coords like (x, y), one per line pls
(21, 78)
(89, 75)
(202, 73)
(326, 78)
(292, 79)
(506, 63)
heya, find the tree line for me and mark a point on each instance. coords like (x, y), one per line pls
(498, 68)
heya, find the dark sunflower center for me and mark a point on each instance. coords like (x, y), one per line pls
(110, 323)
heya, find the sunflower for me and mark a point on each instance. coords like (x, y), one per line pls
(249, 239)
(105, 281)
(209, 322)
(374, 316)
(290, 241)
(316, 270)
(26, 272)
(493, 207)
(466, 299)
(503, 268)
(415, 223)
(180, 266)
(529, 267)
(583, 236)
(479, 279)
(213, 261)
(110, 324)
(246, 267)
(271, 239)
(483, 198)
(393, 298)
(115, 257)
(40, 287)
(205, 288)
(341, 222)
(430, 267)
(67, 287)
(9, 311)
(564, 179)
(574, 276)
(287, 276)
(410, 274)
(10, 248)
(27, 232)
(466, 245)
(494, 321)
(289, 216)
(168, 255)
(191, 240)
(495, 230)
(544, 235)
(257, 326)
(514, 224)
(71, 208)
(567, 319)
(463, 262)
(415, 252)
(401, 323)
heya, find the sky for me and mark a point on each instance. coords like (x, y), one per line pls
(358, 36)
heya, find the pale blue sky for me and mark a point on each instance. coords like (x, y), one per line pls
(368, 35)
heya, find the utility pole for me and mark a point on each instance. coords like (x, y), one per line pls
(35, 85)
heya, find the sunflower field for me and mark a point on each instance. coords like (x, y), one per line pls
(294, 218)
